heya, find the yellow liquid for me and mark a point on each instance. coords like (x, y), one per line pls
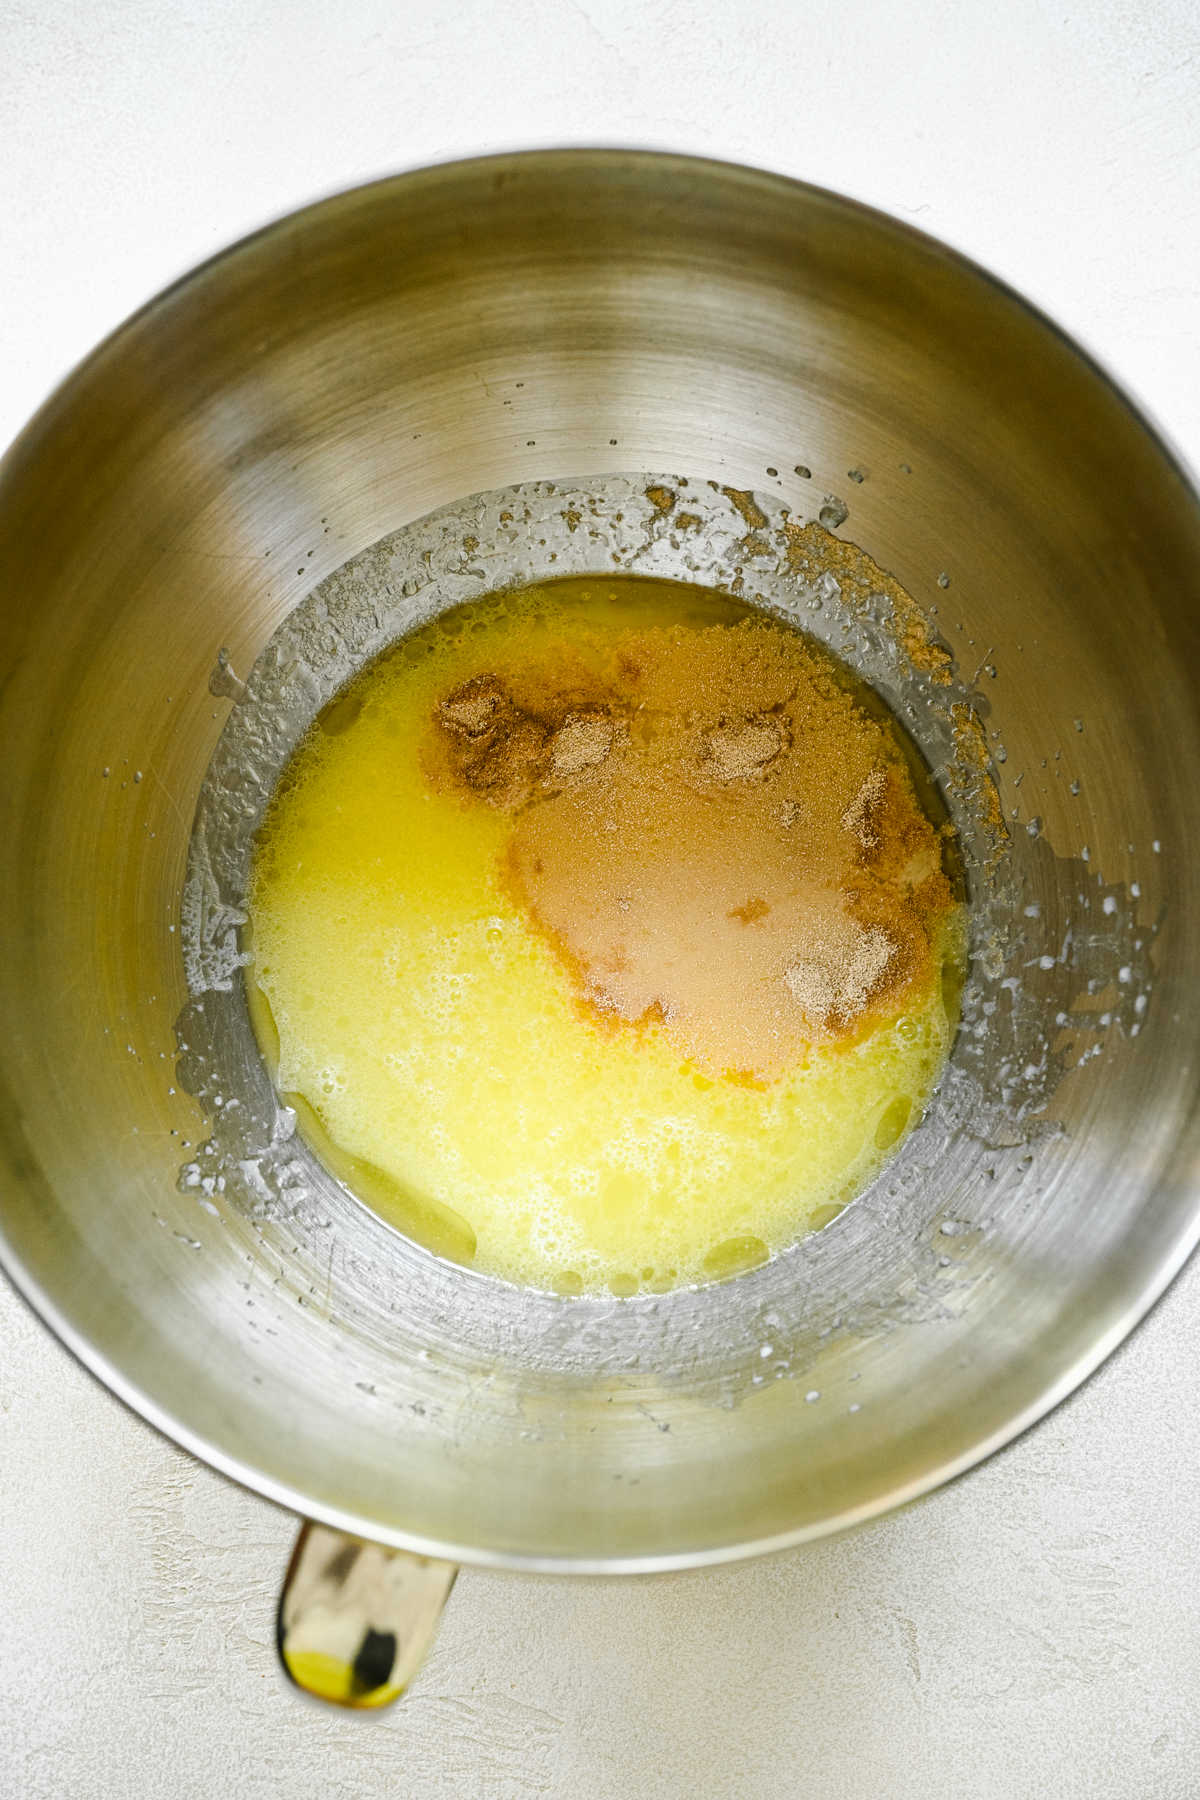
(435, 1046)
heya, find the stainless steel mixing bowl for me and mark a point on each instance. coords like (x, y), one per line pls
(563, 315)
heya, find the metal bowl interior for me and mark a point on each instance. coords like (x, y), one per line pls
(568, 315)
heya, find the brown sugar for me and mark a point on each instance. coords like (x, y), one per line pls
(742, 749)
(811, 552)
(581, 741)
(752, 912)
(711, 830)
(744, 502)
(500, 751)
(472, 709)
(838, 981)
(859, 816)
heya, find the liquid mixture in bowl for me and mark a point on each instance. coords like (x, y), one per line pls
(606, 935)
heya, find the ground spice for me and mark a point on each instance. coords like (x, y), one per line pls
(711, 830)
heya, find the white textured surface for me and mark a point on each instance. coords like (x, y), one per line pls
(1033, 1630)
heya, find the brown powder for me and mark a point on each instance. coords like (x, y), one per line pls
(812, 551)
(656, 782)
(500, 751)
(581, 741)
(743, 748)
(471, 709)
(752, 912)
(743, 501)
(836, 984)
(859, 816)
(971, 772)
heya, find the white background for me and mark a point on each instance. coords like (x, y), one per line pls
(1032, 1631)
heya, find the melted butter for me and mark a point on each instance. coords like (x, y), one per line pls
(440, 1043)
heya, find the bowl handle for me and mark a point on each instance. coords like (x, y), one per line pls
(355, 1619)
